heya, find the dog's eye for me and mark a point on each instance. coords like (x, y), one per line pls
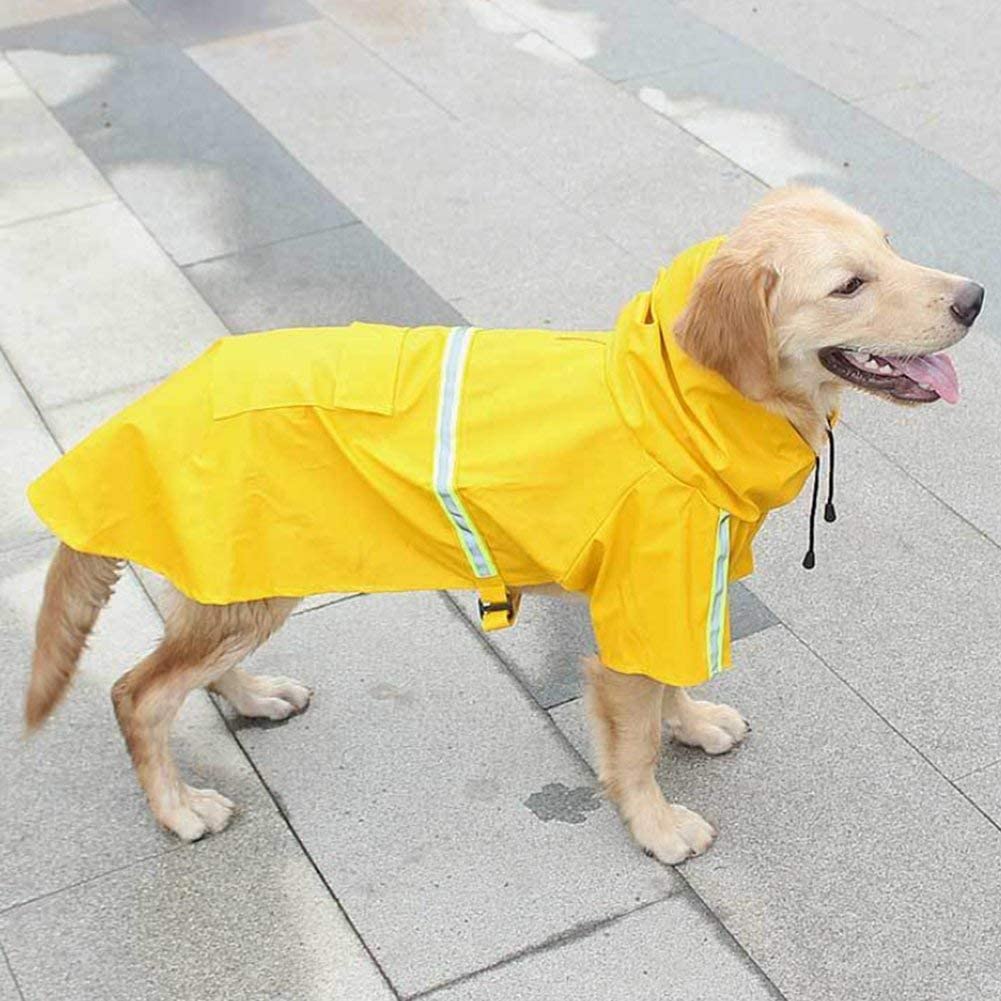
(850, 287)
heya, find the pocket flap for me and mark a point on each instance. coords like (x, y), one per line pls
(368, 367)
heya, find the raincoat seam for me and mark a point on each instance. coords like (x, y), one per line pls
(616, 504)
(636, 438)
(632, 432)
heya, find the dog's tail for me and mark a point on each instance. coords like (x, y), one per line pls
(78, 586)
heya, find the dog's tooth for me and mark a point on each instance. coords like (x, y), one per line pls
(887, 369)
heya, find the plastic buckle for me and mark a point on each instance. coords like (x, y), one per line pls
(498, 614)
(488, 607)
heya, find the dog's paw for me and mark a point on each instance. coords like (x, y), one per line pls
(195, 813)
(213, 808)
(270, 698)
(715, 728)
(672, 833)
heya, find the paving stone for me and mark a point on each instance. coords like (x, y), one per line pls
(943, 114)
(201, 173)
(43, 171)
(968, 32)
(329, 87)
(748, 613)
(865, 46)
(579, 295)
(848, 49)
(459, 239)
(26, 450)
(782, 128)
(665, 950)
(984, 788)
(647, 185)
(735, 112)
(21, 12)
(544, 648)
(652, 191)
(901, 604)
(190, 24)
(627, 38)
(8, 77)
(329, 278)
(419, 823)
(551, 636)
(72, 808)
(513, 234)
(114, 310)
(8, 987)
(469, 57)
(315, 602)
(643, 182)
(846, 866)
(239, 916)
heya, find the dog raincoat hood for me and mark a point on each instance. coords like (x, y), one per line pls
(375, 458)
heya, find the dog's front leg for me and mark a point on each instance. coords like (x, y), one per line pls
(714, 727)
(625, 712)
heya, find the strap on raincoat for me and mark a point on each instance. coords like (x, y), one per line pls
(498, 604)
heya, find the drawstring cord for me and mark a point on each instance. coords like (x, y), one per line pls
(829, 513)
(810, 559)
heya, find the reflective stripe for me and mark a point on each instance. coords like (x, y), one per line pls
(453, 365)
(718, 599)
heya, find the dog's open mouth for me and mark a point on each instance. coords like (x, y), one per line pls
(922, 379)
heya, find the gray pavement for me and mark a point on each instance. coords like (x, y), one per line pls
(172, 171)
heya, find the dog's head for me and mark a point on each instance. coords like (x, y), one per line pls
(808, 295)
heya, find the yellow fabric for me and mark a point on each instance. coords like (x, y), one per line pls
(301, 461)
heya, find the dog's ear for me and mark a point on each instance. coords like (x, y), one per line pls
(727, 325)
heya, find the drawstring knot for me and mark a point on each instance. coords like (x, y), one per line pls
(810, 559)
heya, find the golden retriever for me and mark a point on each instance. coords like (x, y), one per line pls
(806, 296)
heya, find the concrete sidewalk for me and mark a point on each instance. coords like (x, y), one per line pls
(173, 171)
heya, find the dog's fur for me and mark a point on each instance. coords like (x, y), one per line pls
(759, 315)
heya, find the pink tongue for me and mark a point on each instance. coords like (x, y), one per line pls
(931, 370)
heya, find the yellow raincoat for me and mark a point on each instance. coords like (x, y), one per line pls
(375, 458)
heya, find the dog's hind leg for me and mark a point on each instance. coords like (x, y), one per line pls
(715, 728)
(263, 696)
(201, 643)
(625, 713)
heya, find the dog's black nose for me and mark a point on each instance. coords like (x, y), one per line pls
(968, 302)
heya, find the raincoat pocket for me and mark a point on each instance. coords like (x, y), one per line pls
(332, 368)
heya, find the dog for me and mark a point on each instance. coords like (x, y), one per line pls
(631, 467)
